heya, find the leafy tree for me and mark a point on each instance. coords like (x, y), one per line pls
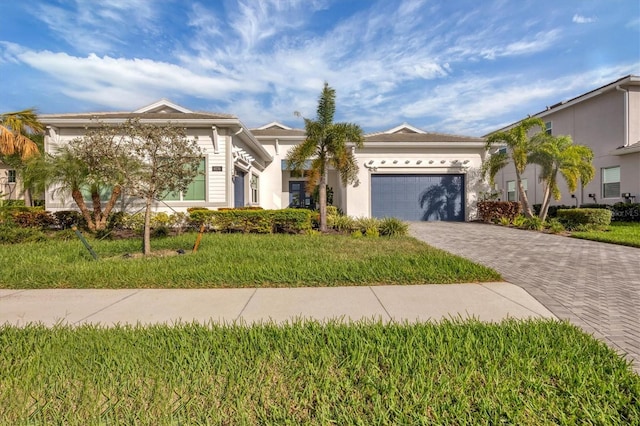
(99, 163)
(558, 155)
(325, 145)
(519, 145)
(167, 163)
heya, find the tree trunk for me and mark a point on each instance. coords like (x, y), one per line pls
(546, 200)
(322, 195)
(526, 208)
(97, 208)
(104, 217)
(77, 197)
(146, 241)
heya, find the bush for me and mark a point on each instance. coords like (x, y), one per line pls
(343, 224)
(372, 232)
(288, 221)
(518, 221)
(10, 234)
(590, 218)
(554, 226)
(492, 211)
(393, 227)
(291, 221)
(67, 218)
(625, 212)
(34, 217)
(533, 223)
(553, 209)
(364, 223)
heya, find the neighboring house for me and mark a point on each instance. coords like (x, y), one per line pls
(10, 187)
(607, 120)
(404, 172)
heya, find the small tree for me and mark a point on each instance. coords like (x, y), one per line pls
(99, 163)
(326, 145)
(519, 145)
(168, 163)
(558, 155)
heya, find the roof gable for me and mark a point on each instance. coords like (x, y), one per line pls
(274, 125)
(163, 106)
(404, 128)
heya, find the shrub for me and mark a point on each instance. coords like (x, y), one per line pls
(589, 218)
(372, 232)
(10, 234)
(554, 226)
(533, 223)
(393, 227)
(344, 224)
(289, 221)
(491, 211)
(67, 218)
(625, 212)
(364, 223)
(356, 234)
(34, 217)
(504, 221)
(518, 221)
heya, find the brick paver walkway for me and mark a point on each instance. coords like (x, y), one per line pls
(594, 285)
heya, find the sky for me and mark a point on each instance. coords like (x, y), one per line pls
(464, 67)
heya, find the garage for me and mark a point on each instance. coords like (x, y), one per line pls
(415, 197)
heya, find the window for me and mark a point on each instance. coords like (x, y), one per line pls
(502, 151)
(12, 176)
(511, 190)
(255, 184)
(611, 182)
(196, 191)
(548, 127)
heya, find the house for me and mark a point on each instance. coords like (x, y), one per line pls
(10, 187)
(404, 172)
(607, 120)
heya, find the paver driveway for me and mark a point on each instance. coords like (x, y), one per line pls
(594, 285)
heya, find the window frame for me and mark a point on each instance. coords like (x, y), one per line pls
(603, 186)
(514, 191)
(12, 176)
(202, 171)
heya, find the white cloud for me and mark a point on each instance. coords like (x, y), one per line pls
(579, 19)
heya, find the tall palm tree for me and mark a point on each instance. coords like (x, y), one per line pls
(325, 145)
(558, 155)
(519, 145)
(16, 129)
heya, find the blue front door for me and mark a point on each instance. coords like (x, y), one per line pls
(238, 188)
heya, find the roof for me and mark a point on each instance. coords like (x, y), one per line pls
(275, 132)
(142, 115)
(420, 137)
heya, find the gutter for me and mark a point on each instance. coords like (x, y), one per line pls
(626, 113)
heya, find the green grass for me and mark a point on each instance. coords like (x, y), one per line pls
(623, 233)
(525, 373)
(236, 260)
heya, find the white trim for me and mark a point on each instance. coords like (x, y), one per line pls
(162, 103)
(274, 124)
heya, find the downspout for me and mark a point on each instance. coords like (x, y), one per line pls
(626, 114)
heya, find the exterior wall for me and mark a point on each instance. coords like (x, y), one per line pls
(9, 191)
(599, 123)
(358, 196)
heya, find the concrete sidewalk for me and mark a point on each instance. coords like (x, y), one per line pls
(486, 302)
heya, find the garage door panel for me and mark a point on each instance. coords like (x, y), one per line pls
(418, 197)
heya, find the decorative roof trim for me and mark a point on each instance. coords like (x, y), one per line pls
(273, 124)
(162, 103)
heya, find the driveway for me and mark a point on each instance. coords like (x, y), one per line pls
(594, 285)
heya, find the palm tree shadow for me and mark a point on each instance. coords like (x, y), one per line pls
(443, 200)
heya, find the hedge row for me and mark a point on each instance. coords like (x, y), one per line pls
(620, 212)
(289, 221)
(492, 211)
(577, 218)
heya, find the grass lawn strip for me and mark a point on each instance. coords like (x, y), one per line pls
(237, 260)
(526, 373)
(622, 233)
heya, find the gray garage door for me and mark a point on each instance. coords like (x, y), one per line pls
(418, 197)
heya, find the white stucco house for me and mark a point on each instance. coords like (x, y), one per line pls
(606, 119)
(404, 172)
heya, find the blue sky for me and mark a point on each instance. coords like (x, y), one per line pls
(456, 66)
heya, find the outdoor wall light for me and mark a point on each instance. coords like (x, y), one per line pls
(592, 195)
(626, 195)
(573, 195)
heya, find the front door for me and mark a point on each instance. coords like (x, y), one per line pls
(238, 188)
(298, 197)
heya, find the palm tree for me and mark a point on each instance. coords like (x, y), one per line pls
(558, 155)
(16, 129)
(519, 145)
(326, 145)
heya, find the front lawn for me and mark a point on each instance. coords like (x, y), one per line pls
(623, 233)
(236, 260)
(525, 373)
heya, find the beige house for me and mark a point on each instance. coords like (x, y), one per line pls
(404, 172)
(10, 187)
(607, 120)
